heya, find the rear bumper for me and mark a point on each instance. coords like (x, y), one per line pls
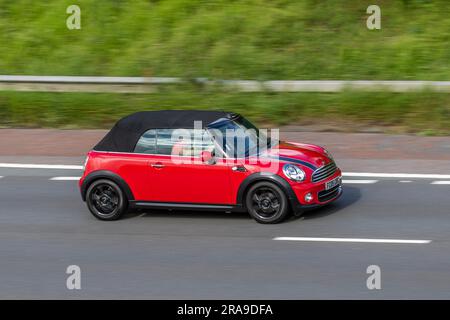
(82, 188)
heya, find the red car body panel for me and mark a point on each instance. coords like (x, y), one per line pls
(189, 182)
(161, 178)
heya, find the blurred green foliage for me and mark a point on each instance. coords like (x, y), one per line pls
(229, 39)
(425, 113)
(254, 39)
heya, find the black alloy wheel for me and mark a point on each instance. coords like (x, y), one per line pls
(105, 200)
(267, 203)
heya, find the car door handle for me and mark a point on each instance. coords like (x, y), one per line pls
(157, 165)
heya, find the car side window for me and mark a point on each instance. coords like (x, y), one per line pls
(187, 144)
(165, 142)
(198, 143)
(147, 143)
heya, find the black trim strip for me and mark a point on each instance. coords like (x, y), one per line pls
(177, 205)
(327, 195)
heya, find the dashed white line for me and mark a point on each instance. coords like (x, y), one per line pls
(40, 166)
(441, 182)
(345, 174)
(352, 240)
(405, 181)
(359, 181)
(396, 175)
(65, 178)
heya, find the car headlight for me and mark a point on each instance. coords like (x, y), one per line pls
(293, 172)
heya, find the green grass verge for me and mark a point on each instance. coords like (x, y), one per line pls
(228, 39)
(425, 113)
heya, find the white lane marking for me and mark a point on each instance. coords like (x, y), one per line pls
(345, 174)
(352, 240)
(65, 178)
(396, 175)
(359, 181)
(441, 182)
(40, 166)
(405, 181)
(1, 177)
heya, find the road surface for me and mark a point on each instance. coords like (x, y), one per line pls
(45, 227)
(385, 217)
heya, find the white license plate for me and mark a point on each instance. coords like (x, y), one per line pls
(333, 183)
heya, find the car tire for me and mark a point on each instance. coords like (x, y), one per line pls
(267, 203)
(106, 200)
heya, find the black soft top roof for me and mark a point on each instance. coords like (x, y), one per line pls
(127, 131)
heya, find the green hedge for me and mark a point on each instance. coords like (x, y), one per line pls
(422, 112)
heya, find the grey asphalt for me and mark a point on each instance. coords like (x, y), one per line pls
(45, 227)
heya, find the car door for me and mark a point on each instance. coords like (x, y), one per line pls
(184, 178)
(139, 174)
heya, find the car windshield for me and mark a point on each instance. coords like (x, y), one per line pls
(238, 137)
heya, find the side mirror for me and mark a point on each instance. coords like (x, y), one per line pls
(207, 157)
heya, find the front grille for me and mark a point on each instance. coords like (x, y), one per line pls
(326, 195)
(324, 172)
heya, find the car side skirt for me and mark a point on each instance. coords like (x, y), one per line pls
(185, 206)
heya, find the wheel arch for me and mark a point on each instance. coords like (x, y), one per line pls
(264, 177)
(104, 174)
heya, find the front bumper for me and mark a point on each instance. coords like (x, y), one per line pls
(320, 195)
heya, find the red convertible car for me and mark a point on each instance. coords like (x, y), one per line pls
(205, 160)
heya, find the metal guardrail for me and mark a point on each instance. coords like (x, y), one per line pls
(151, 84)
(83, 84)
